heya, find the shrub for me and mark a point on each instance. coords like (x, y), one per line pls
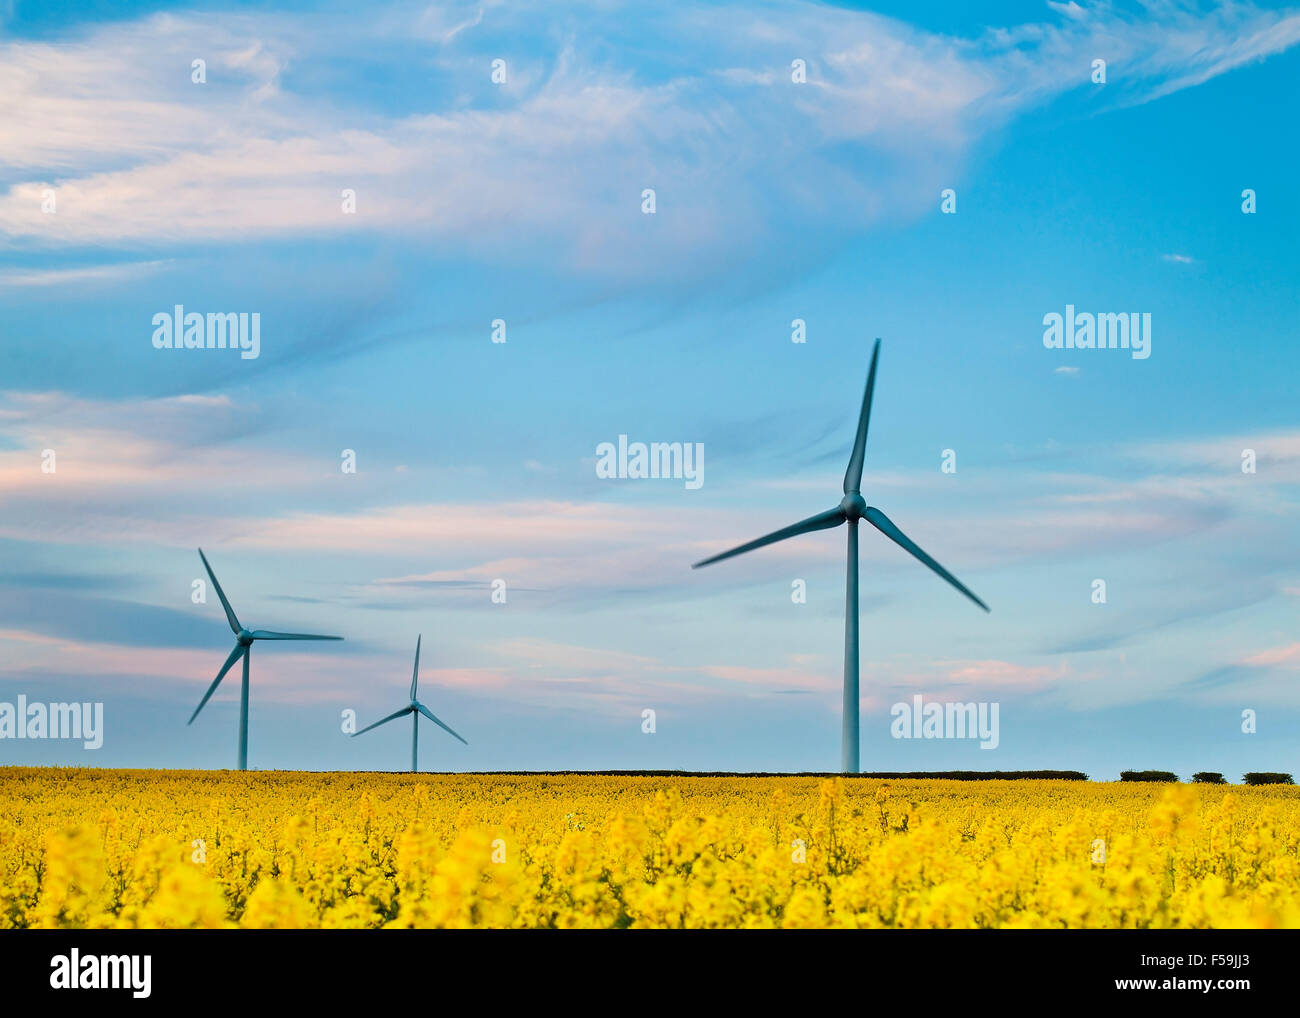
(1147, 776)
(1268, 778)
(1208, 778)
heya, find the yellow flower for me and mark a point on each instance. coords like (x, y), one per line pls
(197, 849)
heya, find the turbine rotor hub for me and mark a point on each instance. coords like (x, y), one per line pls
(245, 638)
(854, 506)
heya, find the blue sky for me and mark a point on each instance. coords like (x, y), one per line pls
(775, 200)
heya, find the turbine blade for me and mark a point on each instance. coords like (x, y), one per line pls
(266, 634)
(853, 476)
(416, 670)
(235, 655)
(428, 714)
(886, 526)
(383, 721)
(822, 521)
(230, 612)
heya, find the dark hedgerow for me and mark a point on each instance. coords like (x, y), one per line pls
(1268, 778)
(891, 775)
(1208, 778)
(983, 775)
(1147, 776)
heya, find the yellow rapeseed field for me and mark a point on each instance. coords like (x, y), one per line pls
(96, 848)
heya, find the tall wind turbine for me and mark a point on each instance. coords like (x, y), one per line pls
(852, 507)
(415, 708)
(243, 649)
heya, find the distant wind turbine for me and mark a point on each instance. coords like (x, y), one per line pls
(415, 708)
(852, 507)
(243, 648)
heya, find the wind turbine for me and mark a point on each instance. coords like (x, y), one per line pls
(415, 708)
(852, 507)
(243, 648)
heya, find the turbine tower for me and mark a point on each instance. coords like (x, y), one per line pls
(415, 708)
(852, 508)
(243, 649)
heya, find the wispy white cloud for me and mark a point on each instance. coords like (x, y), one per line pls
(559, 155)
(80, 276)
(106, 447)
(1256, 470)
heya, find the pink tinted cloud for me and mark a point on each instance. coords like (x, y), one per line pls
(1287, 656)
(284, 676)
(933, 677)
(140, 446)
(774, 678)
(28, 652)
(549, 524)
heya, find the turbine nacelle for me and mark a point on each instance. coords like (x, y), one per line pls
(854, 506)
